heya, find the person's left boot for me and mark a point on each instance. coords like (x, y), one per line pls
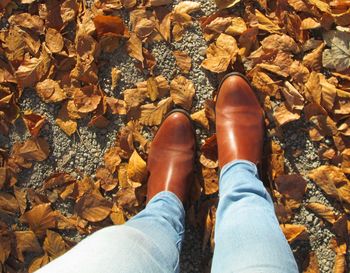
(171, 157)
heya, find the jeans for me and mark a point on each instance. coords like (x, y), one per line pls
(247, 234)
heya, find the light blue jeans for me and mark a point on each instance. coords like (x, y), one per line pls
(247, 234)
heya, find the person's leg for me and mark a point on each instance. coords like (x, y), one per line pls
(247, 234)
(149, 242)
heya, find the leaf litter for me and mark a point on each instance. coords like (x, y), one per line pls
(54, 51)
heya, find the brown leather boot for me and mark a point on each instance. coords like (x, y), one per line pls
(239, 121)
(171, 157)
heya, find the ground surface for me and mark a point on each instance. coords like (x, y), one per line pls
(82, 153)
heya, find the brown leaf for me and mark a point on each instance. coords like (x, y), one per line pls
(63, 120)
(144, 28)
(280, 42)
(293, 188)
(152, 88)
(8, 203)
(33, 122)
(284, 116)
(183, 61)
(332, 181)
(265, 84)
(28, 21)
(117, 216)
(137, 171)
(57, 180)
(69, 10)
(54, 40)
(265, 23)
(294, 99)
(182, 92)
(152, 114)
(323, 211)
(32, 70)
(38, 263)
(93, 207)
(112, 159)
(223, 4)
(40, 218)
(294, 232)
(201, 118)
(134, 47)
(106, 24)
(220, 54)
(187, 7)
(36, 149)
(107, 180)
(21, 196)
(26, 243)
(309, 23)
(54, 245)
(310, 264)
(276, 160)
(115, 77)
(211, 180)
(50, 91)
(116, 107)
(86, 99)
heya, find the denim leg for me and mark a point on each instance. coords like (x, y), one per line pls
(149, 242)
(248, 238)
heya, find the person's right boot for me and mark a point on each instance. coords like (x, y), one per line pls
(239, 122)
(171, 157)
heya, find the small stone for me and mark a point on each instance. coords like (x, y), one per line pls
(202, 50)
(309, 218)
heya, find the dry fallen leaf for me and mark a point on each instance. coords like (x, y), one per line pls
(134, 47)
(63, 120)
(284, 116)
(26, 242)
(294, 232)
(112, 159)
(153, 114)
(93, 207)
(222, 4)
(38, 263)
(106, 24)
(137, 171)
(86, 99)
(33, 122)
(201, 118)
(36, 149)
(338, 57)
(183, 61)
(32, 70)
(8, 203)
(107, 180)
(332, 181)
(50, 91)
(310, 264)
(182, 92)
(54, 40)
(323, 211)
(211, 180)
(40, 218)
(221, 54)
(54, 244)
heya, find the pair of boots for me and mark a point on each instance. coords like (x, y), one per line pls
(239, 132)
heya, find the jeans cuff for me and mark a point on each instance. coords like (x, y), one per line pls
(239, 165)
(168, 195)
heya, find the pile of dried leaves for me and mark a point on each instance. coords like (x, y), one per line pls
(296, 53)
